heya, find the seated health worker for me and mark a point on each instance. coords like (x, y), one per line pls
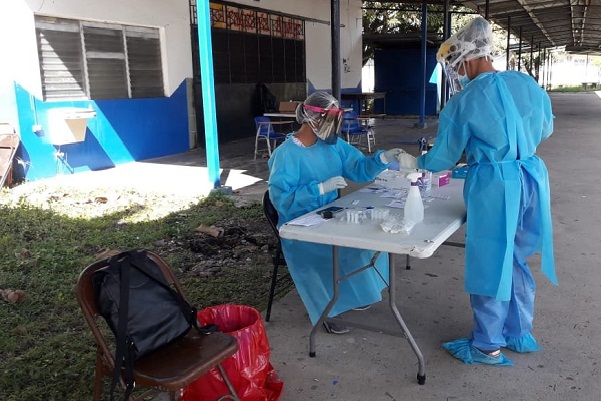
(499, 119)
(306, 172)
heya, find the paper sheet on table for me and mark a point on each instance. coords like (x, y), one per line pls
(397, 203)
(308, 221)
(373, 189)
(400, 204)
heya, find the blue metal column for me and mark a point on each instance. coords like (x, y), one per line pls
(422, 92)
(208, 90)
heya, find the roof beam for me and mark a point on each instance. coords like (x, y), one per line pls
(536, 21)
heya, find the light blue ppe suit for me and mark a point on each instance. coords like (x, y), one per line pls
(499, 119)
(295, 173)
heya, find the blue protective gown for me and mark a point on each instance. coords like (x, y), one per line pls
(499, 119)
(295, 172)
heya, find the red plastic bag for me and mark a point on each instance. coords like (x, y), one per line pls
(249, 368)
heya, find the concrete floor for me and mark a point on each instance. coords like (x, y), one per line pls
(362, 365)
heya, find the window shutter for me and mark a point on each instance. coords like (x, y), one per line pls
(144, 59)
(61, 61)
(105, 58)
(98, 60)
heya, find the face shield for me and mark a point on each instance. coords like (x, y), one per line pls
(472, 41)
(325, 123)
(453, 60)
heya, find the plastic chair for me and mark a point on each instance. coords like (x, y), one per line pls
(356, 129)
(278, 257)
(266, 131)
(170, 368)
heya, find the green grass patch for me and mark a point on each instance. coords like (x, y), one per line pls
(573, 89)
(48, 235)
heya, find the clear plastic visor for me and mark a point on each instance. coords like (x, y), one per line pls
(328, 124)
(453, 76)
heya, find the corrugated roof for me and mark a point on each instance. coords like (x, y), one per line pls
(575, 24)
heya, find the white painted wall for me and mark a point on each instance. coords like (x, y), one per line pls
(171, 16)
(19, 56)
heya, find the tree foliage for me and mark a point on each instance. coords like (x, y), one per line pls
(387, 18)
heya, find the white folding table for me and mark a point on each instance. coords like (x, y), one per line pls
(442, 218)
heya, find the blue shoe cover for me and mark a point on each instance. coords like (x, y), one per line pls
(523, 344)
(463, 350)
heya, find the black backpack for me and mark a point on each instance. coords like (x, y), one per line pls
(265, 101)
(144, 312)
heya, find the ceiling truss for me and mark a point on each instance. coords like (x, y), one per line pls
(575, 24)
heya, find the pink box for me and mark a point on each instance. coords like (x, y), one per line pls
(441, 178)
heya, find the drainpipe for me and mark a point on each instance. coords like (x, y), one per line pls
(508, 42)
(532, 54)
(336, 65)
(422, 93)
(520, 51)
(208, 90)
(446, 32)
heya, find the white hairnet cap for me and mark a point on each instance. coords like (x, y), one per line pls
(472, 41)
(322, 100)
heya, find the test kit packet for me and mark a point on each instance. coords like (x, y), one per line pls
(441, 178)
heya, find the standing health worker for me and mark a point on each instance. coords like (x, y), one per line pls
(498, 119)
(306, 172)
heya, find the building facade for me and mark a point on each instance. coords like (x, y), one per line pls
(90, 85)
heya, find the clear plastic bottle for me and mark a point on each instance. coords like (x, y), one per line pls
(414, 206)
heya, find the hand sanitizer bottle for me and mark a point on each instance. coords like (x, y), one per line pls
(414, 207)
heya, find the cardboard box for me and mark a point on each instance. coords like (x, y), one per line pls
(288, 107)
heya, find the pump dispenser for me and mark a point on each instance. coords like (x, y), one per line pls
(414, 206)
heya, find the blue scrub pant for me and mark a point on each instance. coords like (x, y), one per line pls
(494, 320)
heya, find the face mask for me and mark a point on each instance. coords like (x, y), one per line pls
(463, 80)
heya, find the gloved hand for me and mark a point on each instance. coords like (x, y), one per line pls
(332, 184)
(390, 155)
(406, 161)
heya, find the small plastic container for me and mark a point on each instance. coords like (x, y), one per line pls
(353, 216)
(378, 213)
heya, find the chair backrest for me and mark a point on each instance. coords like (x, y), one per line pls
(86, 297)
(271, 214)
(266, 130)
(350, 123)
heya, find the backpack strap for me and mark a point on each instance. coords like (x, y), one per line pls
(122, 351)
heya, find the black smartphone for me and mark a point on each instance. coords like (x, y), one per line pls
(328, 212)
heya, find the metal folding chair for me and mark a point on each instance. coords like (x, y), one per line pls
(266, 132)
(356, 129)
(170, 368)
(278, 257)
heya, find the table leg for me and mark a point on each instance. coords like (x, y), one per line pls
(421, 370)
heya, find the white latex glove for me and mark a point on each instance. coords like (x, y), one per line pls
(332, 184)
(390, 155)
(406, 161)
